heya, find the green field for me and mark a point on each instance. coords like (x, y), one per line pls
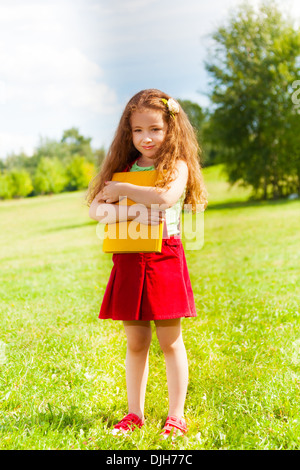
(62, 382)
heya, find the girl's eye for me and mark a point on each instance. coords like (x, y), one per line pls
(156, 129)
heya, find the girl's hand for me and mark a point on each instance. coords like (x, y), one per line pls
(111, 192)
(99, 198)
(146, 215)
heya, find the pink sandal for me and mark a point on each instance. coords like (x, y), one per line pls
(176, 426)
(128, 423)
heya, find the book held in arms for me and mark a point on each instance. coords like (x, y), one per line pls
(131, 236)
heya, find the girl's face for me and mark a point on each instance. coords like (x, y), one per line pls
(148, 131)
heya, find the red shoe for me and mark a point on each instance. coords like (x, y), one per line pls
(128, 423)
(175, 426)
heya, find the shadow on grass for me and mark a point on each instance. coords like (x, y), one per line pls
(71, 419)
(68, 227)
(249, 203)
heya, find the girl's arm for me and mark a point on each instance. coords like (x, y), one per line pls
(107, 213)
(148, 195)
(112, 213)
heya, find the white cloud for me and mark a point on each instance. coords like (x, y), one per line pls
(24, 12)
(42, 65)
(92, 96)
(47, 76)
(50, 79)
(46, 62)
(74, 63)
(117, 6)
(16, 141)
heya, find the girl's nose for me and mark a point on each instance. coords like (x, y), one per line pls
(147, 139)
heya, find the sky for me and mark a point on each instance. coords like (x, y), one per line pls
(76, 63)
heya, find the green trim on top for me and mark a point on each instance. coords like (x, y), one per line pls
(135, 167)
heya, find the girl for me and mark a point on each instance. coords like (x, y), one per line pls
(153, 133)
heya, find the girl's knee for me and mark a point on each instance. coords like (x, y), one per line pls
(171, 346)
(169, 335)
(139, 344)
(138, 338)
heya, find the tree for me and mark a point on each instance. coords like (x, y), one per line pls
(253, 118)
(195, 114)
(198, 120)
(51, 148)
(6, 186)
(78, 144)
(50, 176)
(55, 166)
(21, 183)
(99, 157)
(20, 161)
(79, 173)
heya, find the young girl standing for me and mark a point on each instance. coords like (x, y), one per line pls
(153, 133)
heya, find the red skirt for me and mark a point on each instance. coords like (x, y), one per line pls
(149, 286)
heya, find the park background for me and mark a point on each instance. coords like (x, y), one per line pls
(67, 71)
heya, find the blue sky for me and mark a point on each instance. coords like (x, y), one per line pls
(76, 63)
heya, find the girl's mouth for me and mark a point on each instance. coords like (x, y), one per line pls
(148, 148)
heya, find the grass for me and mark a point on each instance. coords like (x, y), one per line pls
(62, 377)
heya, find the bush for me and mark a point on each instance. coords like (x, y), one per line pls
(79, 173)
(6, 186)
(15, 183)
(50, 176)
(21, 183)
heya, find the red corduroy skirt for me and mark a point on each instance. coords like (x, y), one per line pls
(149, 286)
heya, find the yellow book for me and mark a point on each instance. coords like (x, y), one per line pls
(130, 236)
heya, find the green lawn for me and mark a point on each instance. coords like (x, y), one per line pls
(62, 382)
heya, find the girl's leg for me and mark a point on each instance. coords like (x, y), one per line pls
(170, 339)
(138, 342)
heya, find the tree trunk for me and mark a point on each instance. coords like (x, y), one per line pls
(265, 188)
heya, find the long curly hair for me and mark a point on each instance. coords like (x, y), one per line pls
(180, 143)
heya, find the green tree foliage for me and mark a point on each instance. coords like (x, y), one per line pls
(55, 166)
(254, 122)
(195, 115)
(99, 157)
(78, 144)
(79, 173)
(50, 148)
(50, 176)
(21, 183)
(196, 118)
(6, 186)
(15, 183)
(16, 161)
(200, 122)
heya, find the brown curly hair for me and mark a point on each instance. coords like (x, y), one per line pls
(180, 143)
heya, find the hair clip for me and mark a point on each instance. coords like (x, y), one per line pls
(172, 106)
